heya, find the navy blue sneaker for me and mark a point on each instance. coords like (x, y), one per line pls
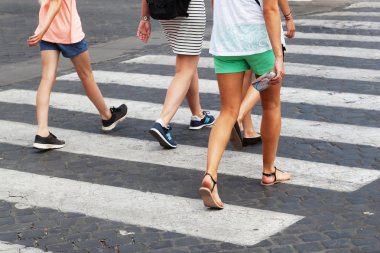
(163, 135)
(198, 123)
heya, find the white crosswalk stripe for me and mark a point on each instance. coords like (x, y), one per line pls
(364, 5)
(309, 174)
(236, 224)
(291, 95)
(336, 37)
(148, 111)
(304, 70)
(351, 52)
(339, 24)
(6, 247)
(346, 14)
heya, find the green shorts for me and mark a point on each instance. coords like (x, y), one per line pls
(259, 63)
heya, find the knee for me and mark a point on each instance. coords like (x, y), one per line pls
(230, 112)
(85, 76)
(271, 105)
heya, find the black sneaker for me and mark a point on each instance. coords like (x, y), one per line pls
(50, 142)
(198, 123)
(118, 115)
(163, 135)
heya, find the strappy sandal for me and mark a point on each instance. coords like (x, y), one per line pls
(206, 195)
(275, 181)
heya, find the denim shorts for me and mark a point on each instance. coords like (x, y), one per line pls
(68, 50)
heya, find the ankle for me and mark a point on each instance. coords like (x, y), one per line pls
(106, 115)
(43, 132)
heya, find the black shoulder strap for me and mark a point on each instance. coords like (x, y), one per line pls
(257, 1)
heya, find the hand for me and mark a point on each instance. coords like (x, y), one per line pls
(34, 39)
(279, 70)
(143, 31)
(290, 28)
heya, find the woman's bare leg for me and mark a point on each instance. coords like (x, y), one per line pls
(82, 65)
(270, 131)
(49, 60)
(250, 100)
(186, 67)
(230, 86)
(192, 96)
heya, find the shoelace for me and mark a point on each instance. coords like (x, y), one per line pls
(114, 109)
(206, 113)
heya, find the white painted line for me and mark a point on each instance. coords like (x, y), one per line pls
(339, 24)
(337, 37)
(321, 131)
(354, 52)
(308, 174)
(235, 224)
(291, 95)
(6, 247)
(306, 70)
(364, 5)
(346, 14)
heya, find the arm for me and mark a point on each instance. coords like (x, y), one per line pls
(54, 7)
(143, 30)
(287, 12)
(272, 21)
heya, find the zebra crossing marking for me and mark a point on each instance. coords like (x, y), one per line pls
(364, 5)
(308, 129)
(235, 224)
(337, 37)
(305, 70)
(7, 247)
(339, 24)
(309, 174)
(288, 94)
(346, 14)
(352, 52)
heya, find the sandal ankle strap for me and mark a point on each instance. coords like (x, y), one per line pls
(212, 179)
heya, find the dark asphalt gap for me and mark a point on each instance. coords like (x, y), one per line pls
(290, 147)
(57, 231)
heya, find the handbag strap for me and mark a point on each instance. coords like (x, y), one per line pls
(257, 1)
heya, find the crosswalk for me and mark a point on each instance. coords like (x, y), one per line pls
(237, 224)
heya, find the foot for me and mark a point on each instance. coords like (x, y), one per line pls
(236, 138)
(198, 123)
(274, 177)
(163, 135)
(118, 115)
(49, 142)
(211, 187)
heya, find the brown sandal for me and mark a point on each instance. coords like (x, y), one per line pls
(206, 195)
(275, 181)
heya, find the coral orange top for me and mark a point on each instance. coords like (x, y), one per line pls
(66, 27)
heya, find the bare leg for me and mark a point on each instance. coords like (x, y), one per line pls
(230, 86)
(186, 66)
(82, 65)
(270, 130)
(49, 60)
(192, 97)
(251, 97)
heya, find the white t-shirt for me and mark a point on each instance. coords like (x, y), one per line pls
(239, 29)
